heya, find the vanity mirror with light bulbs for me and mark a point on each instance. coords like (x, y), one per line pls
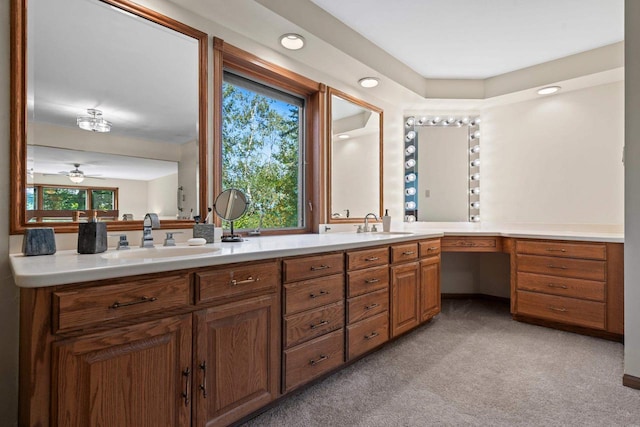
(118, 126)
(355, 158)
(442, 168)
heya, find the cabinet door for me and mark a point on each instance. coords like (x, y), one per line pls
(429, 288)
(133, 376)
(405, 297)
(236, 359)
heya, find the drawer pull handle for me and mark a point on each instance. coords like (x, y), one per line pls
(553, 285)
(319, 294)
(322, 358)
(432, 248)
(557, 267)
(249, 279)
(373, 258)
(556, 250)
(322, 267)
(371, 335)
(127, 304)
(185, 394)
(408, 253)
(372, 306)
(561, 309)
(468, 243)
(370, 281)
(320, 323)
(203, 386)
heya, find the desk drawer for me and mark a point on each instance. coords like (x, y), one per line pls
(471, 244)
(296, 269)
(367, 334)
(363, 281)
(80, 308)
(313, 323)
(308, 294)
(404, 252)
(562, 249)
(563, 286)
(367, 305)
(589, 314)
(227, 282)
(429, 248)
(564, 267)
(367, 258)
(312, 359)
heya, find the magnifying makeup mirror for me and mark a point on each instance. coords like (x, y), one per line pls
(231, 204)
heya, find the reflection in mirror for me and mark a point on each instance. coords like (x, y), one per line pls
(231, 204)
(107, 109)
(355, 166)
(442, 169)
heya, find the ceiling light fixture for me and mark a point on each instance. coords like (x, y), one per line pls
(343, 136)
(292, 41)
(369, 82)
(94, 121)
(76, 175)
(548, 90)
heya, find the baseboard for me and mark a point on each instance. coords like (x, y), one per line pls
(610, 336)
(631, 381)
(477, 296)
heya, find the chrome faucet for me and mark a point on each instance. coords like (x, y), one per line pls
(150, 222)
(366, 221)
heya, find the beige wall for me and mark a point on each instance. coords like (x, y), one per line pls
(632, 192)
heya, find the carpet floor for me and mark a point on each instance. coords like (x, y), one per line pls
(472, 365)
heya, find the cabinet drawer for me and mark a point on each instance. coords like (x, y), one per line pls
(564, 267)
(301, 296)
(367, 334)
(370, 279)
(471, 244)
(367, 258)
(313, 323)
(367, 305)
(230, 282)
(314, 266)
(312, 359)
(429, 247)
(91, 306)
(404, 252)
(575, 288)
(589, 314)
(560, 249)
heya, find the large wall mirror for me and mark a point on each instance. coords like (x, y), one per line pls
(355, 158)
(442, 168)
(109, 115)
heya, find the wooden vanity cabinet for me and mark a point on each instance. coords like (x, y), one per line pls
(405, 288)
(429, 279)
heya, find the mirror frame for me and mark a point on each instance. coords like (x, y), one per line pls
(330, 93)
(18, 120)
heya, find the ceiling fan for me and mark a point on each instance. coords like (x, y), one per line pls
(76, 175)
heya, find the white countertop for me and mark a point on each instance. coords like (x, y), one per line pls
(70, 267)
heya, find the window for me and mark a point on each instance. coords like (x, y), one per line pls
(262, 150)
(60, 203)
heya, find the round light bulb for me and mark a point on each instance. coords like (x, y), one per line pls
(475, 163)
(475, 149)
(475, 218)
(475, 190)
(422, 120)
(292, 41)
(410, 150)
(475, 121)
(475, 205)
(410, 205)
(410, 178)
(548, 90)
(410, 135)
(409, 218)
(475, 177)
(410, 191)
(435, 120)
(369, 82)
(475, 135)
(343, 136)
(409, 164)
(410, 122)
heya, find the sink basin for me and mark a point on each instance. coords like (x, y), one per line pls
(159, 252)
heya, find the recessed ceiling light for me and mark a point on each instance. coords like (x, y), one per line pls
(548, 90)
(369, 82)
(292, 41)
(343, 136)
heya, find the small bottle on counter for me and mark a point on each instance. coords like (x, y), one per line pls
(386, 221)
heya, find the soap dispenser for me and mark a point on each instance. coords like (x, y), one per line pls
(386, 221)
(92, 236)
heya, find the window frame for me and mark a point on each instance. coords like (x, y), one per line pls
(39, 196)
(247, 65)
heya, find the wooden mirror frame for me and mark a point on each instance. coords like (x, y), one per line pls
(330, 92)
(18, 121)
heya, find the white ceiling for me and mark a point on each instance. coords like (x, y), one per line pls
(473, 39)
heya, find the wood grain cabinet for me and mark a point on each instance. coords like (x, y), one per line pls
(429, 280)
(367, 300)
(405, 288)
(313, 317)
(572, 283)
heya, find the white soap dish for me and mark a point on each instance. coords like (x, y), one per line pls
(196, 241)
